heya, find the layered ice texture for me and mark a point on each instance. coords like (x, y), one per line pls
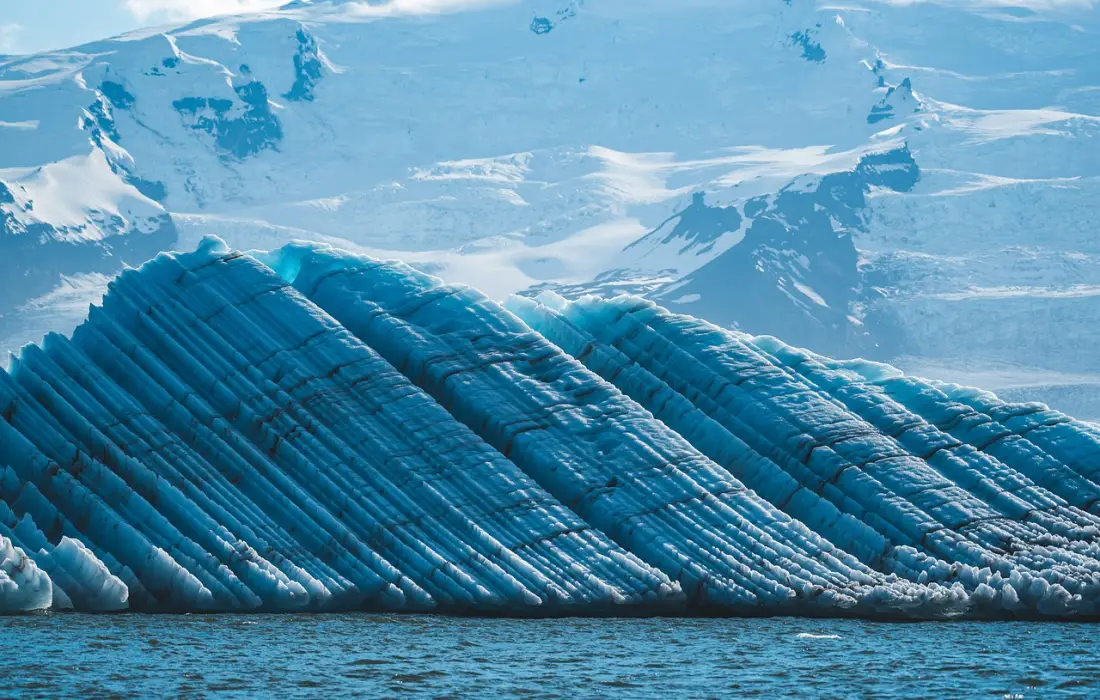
(215, 441)
(313, 430)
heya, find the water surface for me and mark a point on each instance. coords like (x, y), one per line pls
(402, 655)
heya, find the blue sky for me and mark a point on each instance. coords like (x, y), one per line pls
(37, 25)
(28, 26)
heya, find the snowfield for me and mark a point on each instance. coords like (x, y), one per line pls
(908, 182)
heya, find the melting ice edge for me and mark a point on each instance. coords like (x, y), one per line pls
(314, 430)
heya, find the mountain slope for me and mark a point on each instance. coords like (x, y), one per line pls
(830, 175)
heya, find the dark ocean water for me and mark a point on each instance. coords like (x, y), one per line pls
(399, 655)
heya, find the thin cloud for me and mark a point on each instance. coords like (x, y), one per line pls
(144, 10)
(9, 38)
(418, 7)
(172, 10)
(1034, 5)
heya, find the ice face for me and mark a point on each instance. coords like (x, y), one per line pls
(213, 440)
(313, 430)
(930, 481)
(595, 449)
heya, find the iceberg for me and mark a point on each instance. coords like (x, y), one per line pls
(308, 429)
(23, 586)
(933, 482)
(592, 447)
(217, 442)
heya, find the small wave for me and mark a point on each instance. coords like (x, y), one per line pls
(808, 635)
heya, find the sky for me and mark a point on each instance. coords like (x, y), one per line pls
(29, 26)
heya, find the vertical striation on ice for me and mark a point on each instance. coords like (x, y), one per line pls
(218, 442)
(933, 482)
(594, 448)
(313, 430)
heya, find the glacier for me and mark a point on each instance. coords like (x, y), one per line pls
(309, 429)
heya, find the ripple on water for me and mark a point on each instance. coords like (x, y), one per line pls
(395, 655)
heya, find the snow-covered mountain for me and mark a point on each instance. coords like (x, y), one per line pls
(914, 182)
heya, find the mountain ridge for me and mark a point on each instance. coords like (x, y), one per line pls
(544, 158)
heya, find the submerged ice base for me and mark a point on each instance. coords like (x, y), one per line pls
(313, 430)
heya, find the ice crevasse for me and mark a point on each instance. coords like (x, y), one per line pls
(308, 429)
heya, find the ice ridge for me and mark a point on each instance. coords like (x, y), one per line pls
(309, 429)
(217, 442)
(933, 482)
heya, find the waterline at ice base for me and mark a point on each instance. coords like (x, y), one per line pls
(312, 430)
